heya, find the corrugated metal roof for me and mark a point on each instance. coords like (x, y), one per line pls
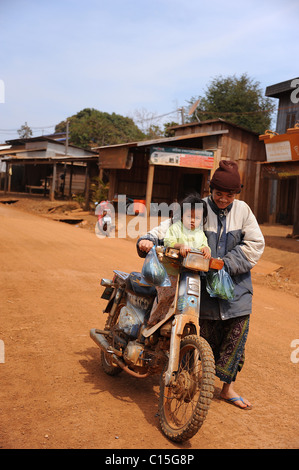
(163, 140)
(275, 90)
(212, 121)
(43, 138)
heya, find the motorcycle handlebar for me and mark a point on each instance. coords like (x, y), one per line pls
(174, 253)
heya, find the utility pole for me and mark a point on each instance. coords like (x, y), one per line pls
(66, 152)
(182, 114)
(67, 137)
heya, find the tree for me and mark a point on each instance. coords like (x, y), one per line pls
(25, 131)
(146, 120)
(169, 132)
(92, 128)
(151, 123)
(238, 100)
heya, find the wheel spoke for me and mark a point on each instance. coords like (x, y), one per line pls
(184, 404)
(181, 398)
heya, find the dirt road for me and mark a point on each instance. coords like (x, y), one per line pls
(53, 393)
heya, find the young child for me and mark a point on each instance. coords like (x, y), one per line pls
(185, 234)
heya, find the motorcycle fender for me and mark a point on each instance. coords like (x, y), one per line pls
(109, 306)
(178, 325)
(107, 293)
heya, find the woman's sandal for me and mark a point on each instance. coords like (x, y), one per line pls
(233, 400)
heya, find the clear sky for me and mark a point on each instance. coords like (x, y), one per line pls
(58, 57)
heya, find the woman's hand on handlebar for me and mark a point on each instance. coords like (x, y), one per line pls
(145, 245)
(206, 252)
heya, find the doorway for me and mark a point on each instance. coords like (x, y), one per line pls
(188, 183)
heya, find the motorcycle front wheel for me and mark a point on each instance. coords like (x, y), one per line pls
(183, 406)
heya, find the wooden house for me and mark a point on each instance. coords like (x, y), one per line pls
(46, 165)
(166, 169)
(281, 169)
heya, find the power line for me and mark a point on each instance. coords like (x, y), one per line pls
(37, 128)
(236, 113)
(156, 117)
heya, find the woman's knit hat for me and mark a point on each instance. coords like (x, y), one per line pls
(226, 177)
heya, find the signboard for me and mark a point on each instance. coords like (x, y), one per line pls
(188, 158)
(279, 151)
(115, 158)
(282, 147)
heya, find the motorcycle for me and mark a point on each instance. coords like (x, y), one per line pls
(104, 222)
(172, 348)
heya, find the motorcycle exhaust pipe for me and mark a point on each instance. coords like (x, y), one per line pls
(101, 341)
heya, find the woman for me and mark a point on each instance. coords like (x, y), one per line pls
(233, 234)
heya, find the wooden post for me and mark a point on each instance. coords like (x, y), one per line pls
(9, 177)
(112, 184)
(217, 158)
(71, 180)
(6, 178)
(273, 201)
(52, 189)
(296, 211)
(87, 187)
(149, 187)
(205, 190)
(257, 188)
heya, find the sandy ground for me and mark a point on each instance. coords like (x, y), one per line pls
(53, 393)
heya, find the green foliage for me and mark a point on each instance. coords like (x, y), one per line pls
(99, 190)
(154, 132)
(169, 132)
(80, 198)
(237, 100)
(92, 128)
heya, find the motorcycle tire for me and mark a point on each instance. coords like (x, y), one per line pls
(108, 366)
(183, 406)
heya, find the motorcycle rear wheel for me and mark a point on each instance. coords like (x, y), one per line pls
(108, 366)
(183, 406)
(106, 362)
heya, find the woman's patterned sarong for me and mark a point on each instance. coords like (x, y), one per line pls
(227, 339)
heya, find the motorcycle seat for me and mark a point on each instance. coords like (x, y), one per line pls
(137, 285)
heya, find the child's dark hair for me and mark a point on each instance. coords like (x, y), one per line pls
(193, 199)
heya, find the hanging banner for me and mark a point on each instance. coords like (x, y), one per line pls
(188, 158)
